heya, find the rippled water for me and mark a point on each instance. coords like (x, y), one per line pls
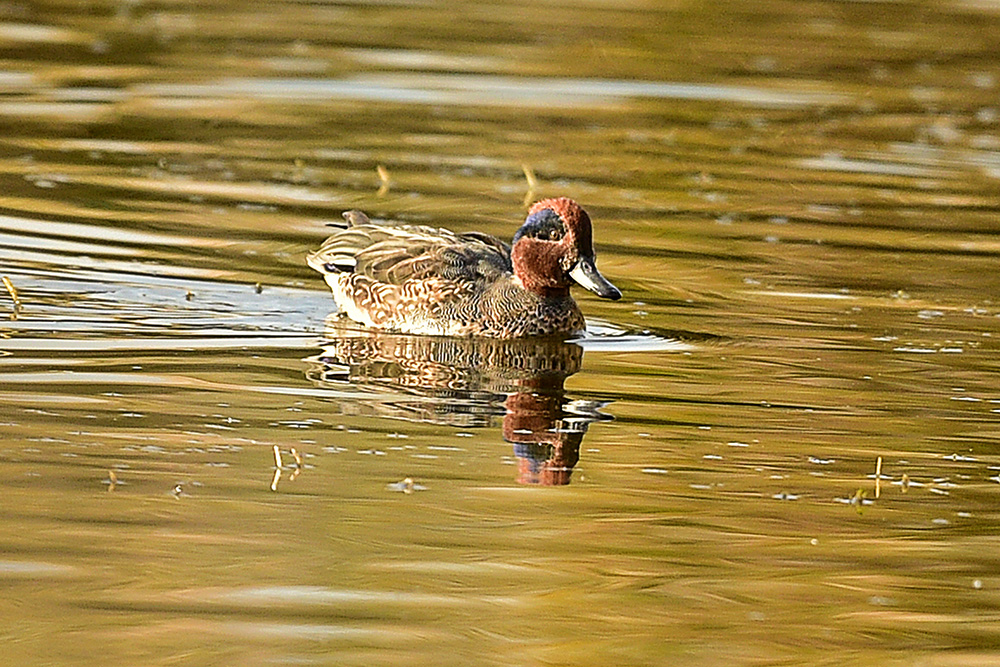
(781, 447)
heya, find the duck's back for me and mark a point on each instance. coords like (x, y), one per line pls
(419, 279)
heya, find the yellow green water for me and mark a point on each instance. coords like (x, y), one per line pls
(798, 199)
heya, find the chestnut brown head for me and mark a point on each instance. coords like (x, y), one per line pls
(554, 248)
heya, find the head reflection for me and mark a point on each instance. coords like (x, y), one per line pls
(468, 383)
(546, 449)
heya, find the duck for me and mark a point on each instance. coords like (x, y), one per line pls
(418, 279)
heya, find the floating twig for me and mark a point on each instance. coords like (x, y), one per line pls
(279, 467)
(529, 175)
(878, 477)
(383, 175)
(407, 486)
(858, 500)
(298, 465)
(13, 292)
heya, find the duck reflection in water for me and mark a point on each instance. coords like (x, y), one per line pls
(467, 383)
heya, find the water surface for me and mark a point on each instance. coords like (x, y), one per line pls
(781, 447)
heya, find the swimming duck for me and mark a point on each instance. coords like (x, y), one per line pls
(422, 280)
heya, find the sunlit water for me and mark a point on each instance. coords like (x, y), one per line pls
(781, 447)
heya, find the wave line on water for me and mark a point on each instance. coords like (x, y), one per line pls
(479, 90)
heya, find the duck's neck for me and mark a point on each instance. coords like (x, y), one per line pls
(541, 289)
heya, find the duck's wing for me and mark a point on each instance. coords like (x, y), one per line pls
(397, 253)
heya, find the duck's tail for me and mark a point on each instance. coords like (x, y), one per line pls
(355, 217)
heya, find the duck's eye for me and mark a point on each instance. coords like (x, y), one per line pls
(549, 227)
(544, 225)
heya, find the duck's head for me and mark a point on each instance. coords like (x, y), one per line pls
(554, 248)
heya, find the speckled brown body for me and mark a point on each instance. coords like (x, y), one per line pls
(422, 280)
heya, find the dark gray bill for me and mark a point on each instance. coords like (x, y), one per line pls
(585, 273)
